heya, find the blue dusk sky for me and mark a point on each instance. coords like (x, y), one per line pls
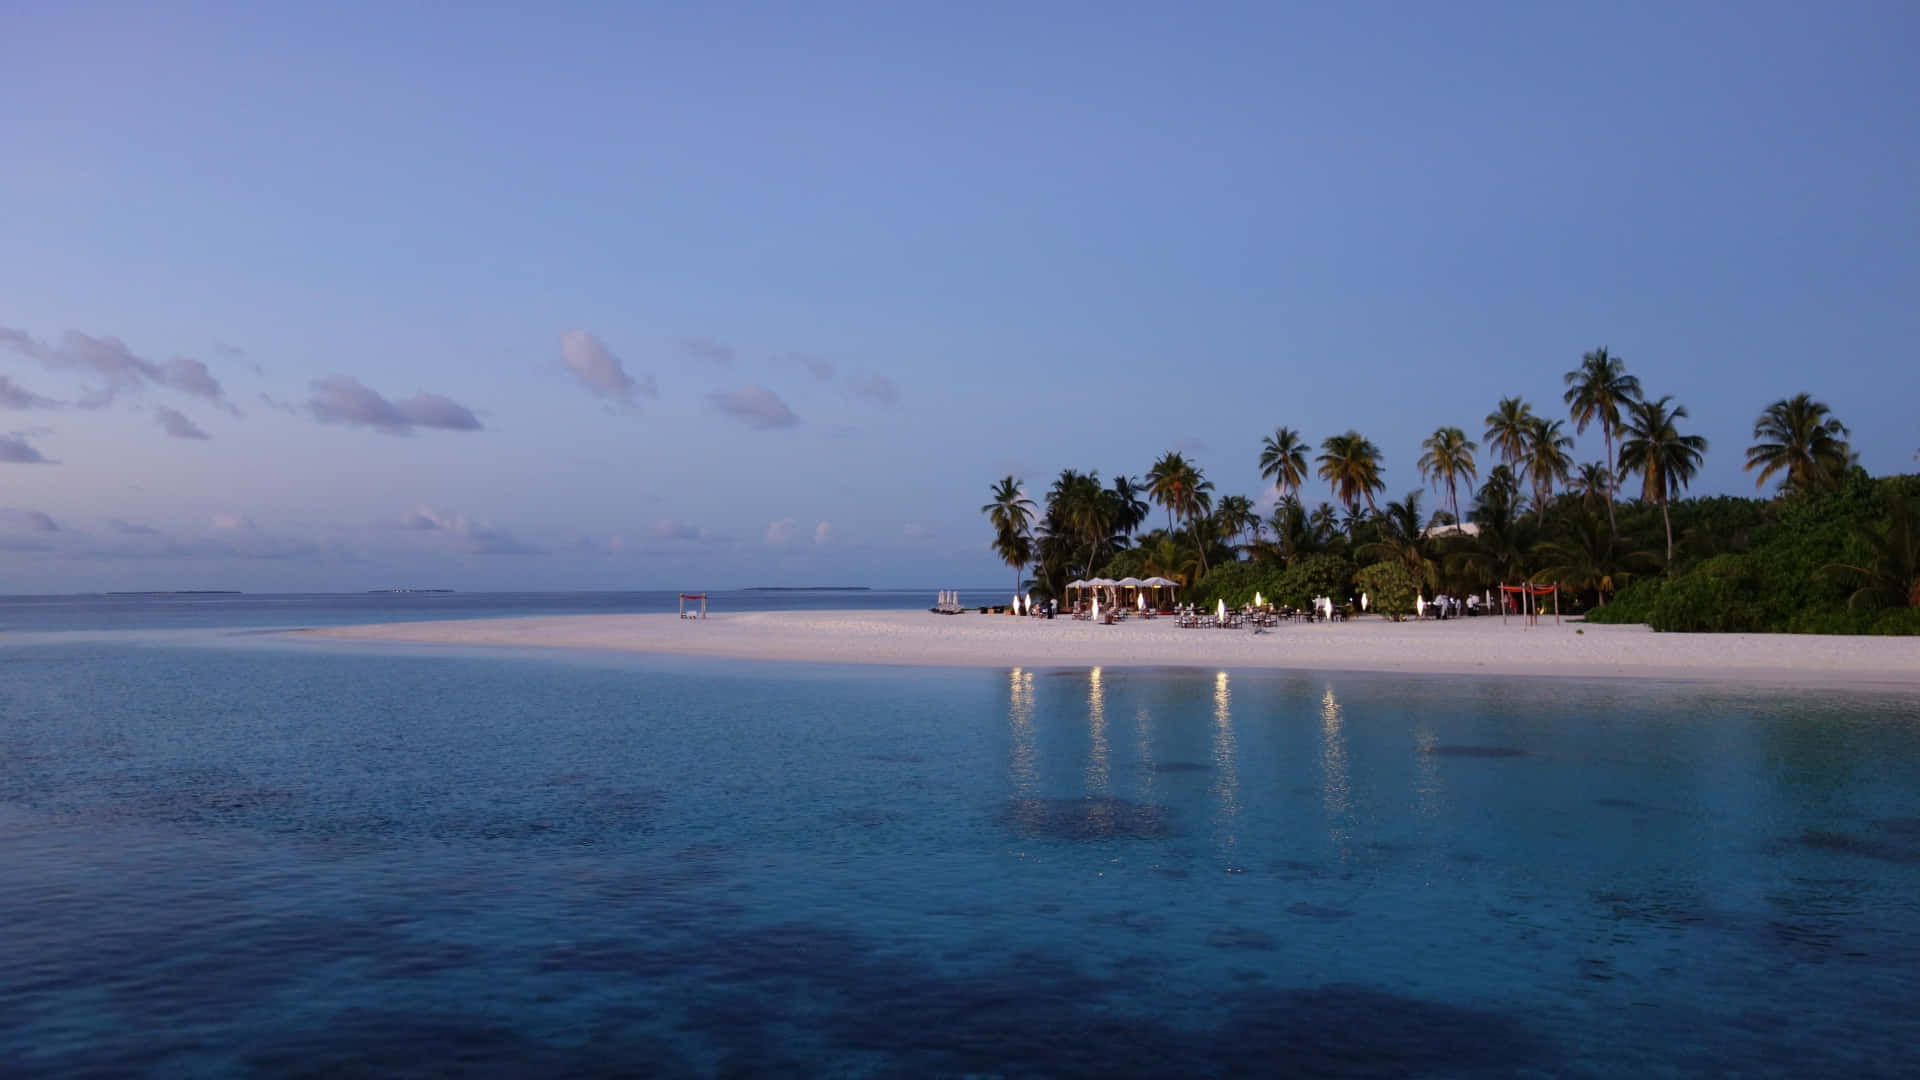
(556, 296)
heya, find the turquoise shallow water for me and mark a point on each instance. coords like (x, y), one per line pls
(231, 855)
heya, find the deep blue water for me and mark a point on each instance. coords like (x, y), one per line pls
(233, 610)
(227, 854)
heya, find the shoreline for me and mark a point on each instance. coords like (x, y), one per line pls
(1476, 646)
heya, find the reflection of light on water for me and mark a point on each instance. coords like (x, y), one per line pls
(1020, 727)
(1335, 792)
(1226, 780)
(1426, 771)
(1097, 731)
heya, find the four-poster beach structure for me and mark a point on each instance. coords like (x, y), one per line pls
(1525, 598)
(693, 613)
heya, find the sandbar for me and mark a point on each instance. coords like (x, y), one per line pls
(1482, 645)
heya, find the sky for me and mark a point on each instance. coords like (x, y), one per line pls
(707, 296)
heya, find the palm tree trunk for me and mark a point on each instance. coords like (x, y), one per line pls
(1669, 520)
(1606, 432)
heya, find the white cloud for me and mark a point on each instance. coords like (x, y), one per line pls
(713, 352)
(756, 406)
(600, 371)
(118, 369)
(15, 396)
(342, 399)
(823, 532)
(177, 424)
(33, 521)
(16, 450)
(476, 536)
(676, 530)
(876, 388)
(780, 533)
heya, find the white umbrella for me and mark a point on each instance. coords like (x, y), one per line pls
(1129, 583)
(1221, 609)
(1143, 601)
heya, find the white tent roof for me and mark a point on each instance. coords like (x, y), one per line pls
(1132, 582)
(1159, 581)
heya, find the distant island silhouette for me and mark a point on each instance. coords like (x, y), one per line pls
(180, 592)
(808, 588)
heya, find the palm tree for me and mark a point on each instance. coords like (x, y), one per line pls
(1402, 540)
(1891, 576)
(1664, 458)
(1501, 486)
(1548, 460)
(1283, 460)
(1011, 514)
(1166, 558)
(1130, 510)
(1448, 456)
(1595, 391)
(1235, 517)
(1350, 464)
(1085, 509)
(1594, 484)
(1176, 484)
(1587, 558)
(1799, 437)
(1507, 428)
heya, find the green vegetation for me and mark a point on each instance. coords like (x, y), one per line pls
(1833, 551)
(1390, 589)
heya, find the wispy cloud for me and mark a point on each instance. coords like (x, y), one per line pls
(15, 449)
(33, 521)
(476, 536)
(15, 396)
(756, 406)
(877, 389)
(821, 370)
(342, 399)
(780, 533)
(177, 424)
(117, 368)
(600, 371)
(913, 530)
(713, 352)
(676, 530)
(823, 533)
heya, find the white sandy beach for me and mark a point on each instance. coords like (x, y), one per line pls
(1457, 646)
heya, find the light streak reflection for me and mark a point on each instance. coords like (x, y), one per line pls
(1226, 782)
(1098, 768)
(1026, 781)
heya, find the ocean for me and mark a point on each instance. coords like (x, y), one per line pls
(225, 852)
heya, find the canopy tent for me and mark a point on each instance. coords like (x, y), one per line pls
(1525, 596)
(687, 596)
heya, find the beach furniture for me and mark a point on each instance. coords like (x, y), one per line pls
(699, 612)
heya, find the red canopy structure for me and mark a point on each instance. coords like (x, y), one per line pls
(686, 596)
(1525, 597)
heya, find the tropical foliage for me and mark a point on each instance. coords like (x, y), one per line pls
(1835, 551)
(1801, 442)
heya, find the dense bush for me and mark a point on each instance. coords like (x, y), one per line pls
(1315, 575)
(1236, 583)
(1719, 596)
(1775, 582)
(1390, 588)
(1633, 604)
